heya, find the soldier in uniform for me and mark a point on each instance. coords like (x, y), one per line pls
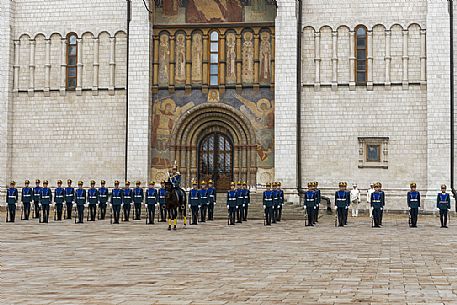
(175, 179)
(11, 201)
(413, 199)
(369, 192)
(211, 199)
(443, 203)
(246, 201)
(239, 203)
(204, 201)
(45, 200)
(318, 201)
(310, 203)
(116, 201)
(231, 203)
(348, 204)
(127, 200)
(194, 202)
(383, 202)
(151, 201)
(69, 198)
(26, 198)
(162, 201)
(92, 195)
(102, 199)
(59, 198)
(268, 204)
(275, 201)
(36, 198)
(280, 200)
(377, 202)
(81, 200)
(341, 203)
(138, 198)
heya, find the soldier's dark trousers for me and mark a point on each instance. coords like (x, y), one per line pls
(211, 211)
(268, 215)
(36, 206)
(102, 210)
(203, 210)
(245, 212)
(26, 210)
(151, 213)
(92, 212)
(443, 217)
(275, 214)
(232, 211)
(381, 213)
(239, 214)
(137, 211)
(310, 211)
(316, 214)
(69, 209)
(163, 213)
(340, 211)
(45, 208)
(413, 213)
(116, 212)
(194, 214)
(59, 210)
(346, 211)
(126, 208)
(376, 217)
(80, 208)
(12, 212)
(279, 213)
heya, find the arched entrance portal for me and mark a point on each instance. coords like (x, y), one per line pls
(215, 160)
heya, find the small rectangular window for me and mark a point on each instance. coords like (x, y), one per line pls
(373, 153)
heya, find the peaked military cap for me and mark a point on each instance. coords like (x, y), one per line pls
(103, 182)
(80, 183)
(13, 182)
(116, 181)
(37, 181)
(210, 181)
(59, 181)
(69, 181)
(92, 181)
(152, 182)
(194, 182)
(268, 184)
(27, 181)
(45, 182)
(232, 183)
(138, 182)
(127, 182)
(412, 184)
(310, 184)
(203, 182)
(244, 183)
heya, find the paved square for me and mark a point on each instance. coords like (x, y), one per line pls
(98, 263)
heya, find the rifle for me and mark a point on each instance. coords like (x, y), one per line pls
(55, 212)
(76, 211)
(409, 217)
(306, 216)
(336, 218)
(22, 211)
(39, 213)
(7, 212)
(111, 215)
(88, 212)
(147, 214)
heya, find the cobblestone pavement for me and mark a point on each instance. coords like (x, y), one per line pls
(99, 263)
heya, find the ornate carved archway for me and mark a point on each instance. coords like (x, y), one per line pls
(209, 118)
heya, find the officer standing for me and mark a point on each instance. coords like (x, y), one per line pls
(69, 198)
(81, 200)
(59, 198)
(127, 200)
(102, 199)
(116, 201)
(383, 195)
(231, 203)
(246, 201)
(310, 204)
(11, 201)
(443, 203)
(36, 198)
(348, 204)
(318, 201)
(151, 201)
(194, 201)
(280, 200)
(162, 201)
(377, 204)
(413, 199)
(369, 192)
(138, 198)
(275, 201)
(45, 200)
(239, 203)
(211, 199)
(204, 201)
(268, 204)
(26, 198)
(92, 195)
(341, 203)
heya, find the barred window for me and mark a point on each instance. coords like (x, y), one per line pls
(214, 59)
(72, 61)
(361, 54)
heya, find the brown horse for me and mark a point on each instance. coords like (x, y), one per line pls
(174, 202)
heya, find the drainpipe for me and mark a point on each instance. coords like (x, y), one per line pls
(299, 43)
(451, 60)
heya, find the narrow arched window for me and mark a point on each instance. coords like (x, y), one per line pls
(214, 59)
(72, 61)
(361, 54)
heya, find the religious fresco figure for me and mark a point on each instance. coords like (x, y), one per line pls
(211, 11)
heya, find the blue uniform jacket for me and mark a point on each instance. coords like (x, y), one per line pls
(342, 199)
(377, 200)
(12, 195)
(138, 195)
(69, 194)
(80, 196)
(443, 201)
(103, 195)
(318, 196)
(127, 196)
(26, 195)
(46, 195)
(232, 198)
(239, 197)
(246, 197)
(194, 197)
(414, 200)
(310, 199)
(162, 194)
(59, 195)
(211, 195)
(268, 200)
(204, 200)
(92, 196)
(36, 193)
(116, 196)
(151, 196)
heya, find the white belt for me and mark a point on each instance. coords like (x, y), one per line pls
(91, 197)
(162, 196)
(413, 200)
(204, 197)
(80, 198)
(341, 199)
(116, 197)
(376, 200)
(127, 197)
(193, 197)
(211, 195)
(11, 196)
(268, 199)
(232, 198)
(27, 195)
(309, 199)
(443, 201)
(102, 195)
(151, 197)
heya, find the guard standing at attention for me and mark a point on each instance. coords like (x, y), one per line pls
(413, 199)
(127, 200)
(11, 201)
(377, 202)
(151, 201)
(81, 200)
(116, 201)
(383, 195)
(231, 204)
(26, 198)
(443, 203)
(45, 200)
(36, 198)
(348, 204)
(310, 204)
(239, 202)
(246, 201)
(280, 200)
(268, 204)
(69, 198)
(102, 199)
(162, 201)
(194, 202)
(138, 198)
(275, 201)
(341, 202)
(92, 195)
(211, 199)
(204, 201)
(59, 198)
(318, 202)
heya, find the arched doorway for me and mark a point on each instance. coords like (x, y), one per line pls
(215, 160)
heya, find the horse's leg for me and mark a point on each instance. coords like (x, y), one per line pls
(175, 217)
(184, 214)
(169, 218)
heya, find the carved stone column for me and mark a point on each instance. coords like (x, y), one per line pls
(79, 67)
(256, 60)
(222, 62)
(96, 67)
(334, 60)
(63, 66)
(317, 61)
(155, 77)
(32, 67)
(112, 64)
(47, 67)
(188, 85)
(388, 57)
(405, 60)
(370, 61)
(351, 61)
(239, 60)
(17, 46)
(423, 58)
(205, 63)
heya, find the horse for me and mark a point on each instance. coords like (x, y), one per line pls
(173, 204)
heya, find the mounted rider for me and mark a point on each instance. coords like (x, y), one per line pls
(174, 177)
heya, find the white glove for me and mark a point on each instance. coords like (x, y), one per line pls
(243, 205)
(304, 207)
(38, 205)
(86, 205)
(236, 207)
(437, 209)
(314, 207)
(189, 206)
(214, 203)
(264, 207)
(227, 206)
(145, 205)
(382, 209)
(409, 209)
(346, 207)
(199, 206)
(336, 208)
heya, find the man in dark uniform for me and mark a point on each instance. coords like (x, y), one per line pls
(45, 200)
(211, 199)
(310, 204)
(231, 204)
(59, 198)
(12, 197)
(443, 203)
(151, 201)
(102, 199)
(383, 203)
(162, 201)
(36, 198)
(275, 201)
(376, 204)
(341, 202)
(246, 201)
(26, 198)
(318, 202)
(194, 202)
(81, 200)
(127, 200)
(239, 202)
(413, 199)
(69, 198)
(348, 203)
(203, 201)
(138, 198)
(268, 204)
(116, 201)
(280, 200)
(92, 195)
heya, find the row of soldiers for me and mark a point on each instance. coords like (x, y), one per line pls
(202, 200)
(238, 201)
(273, 201)
(39, 199)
